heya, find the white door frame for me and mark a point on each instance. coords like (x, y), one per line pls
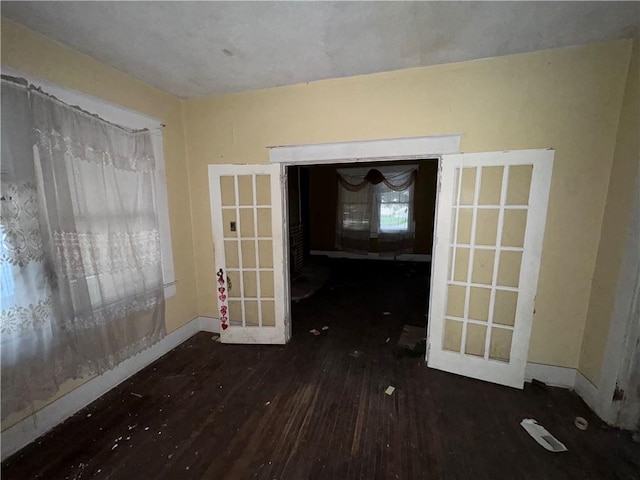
(429, 148)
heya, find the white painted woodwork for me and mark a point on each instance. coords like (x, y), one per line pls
(511, 372)
(278, 334)
(380, 150)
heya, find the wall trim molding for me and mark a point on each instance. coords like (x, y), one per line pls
(385, 149)
(29, 429)
(404, 257)
(552, 375)
(590, 394)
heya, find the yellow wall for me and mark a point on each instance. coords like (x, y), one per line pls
(39, 57)
(618, 209)
(568, 99)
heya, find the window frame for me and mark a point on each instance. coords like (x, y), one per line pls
(133, 120)
(375, 229)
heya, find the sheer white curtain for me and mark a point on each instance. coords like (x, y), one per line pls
(373, 204)
(98, 297)
(33, 357)
(355, 214)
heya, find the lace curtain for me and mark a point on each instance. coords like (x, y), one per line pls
(376, 205)
(80, 254)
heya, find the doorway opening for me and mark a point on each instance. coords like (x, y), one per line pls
(375, 291)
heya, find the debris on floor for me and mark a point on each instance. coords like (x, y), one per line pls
(537, 383)
(354, 353)
(413, 341)
(136, 394)
(542, 436)
(390, 390)
(386, 313)
(581, 423)
(315, 332)
(325, 328)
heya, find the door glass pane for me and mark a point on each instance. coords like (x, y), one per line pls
(468, 187)
(265, 247)
(483, 266)
(245, 189)
(233, 284)
(228, 191)
(515, 223)
(249, 283)
(509, 269)
(452, 335)
(455, 301)
(500, 345)
(246, 222)
(487, 226)
(251, 313)
(235, 313)
(479, 303)
(462, 264)
(504, 311)
(231, 254)
(264, 222)
(490, 186)
(476, 335)
(268, 313)
(266, 283)
(248, 253)
(465, 216)
(263, 189)
(519, 185)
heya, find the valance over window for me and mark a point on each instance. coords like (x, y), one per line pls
(376, 203)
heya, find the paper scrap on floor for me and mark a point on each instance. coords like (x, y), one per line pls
(542, 436)
(315, 332)
(390, 390)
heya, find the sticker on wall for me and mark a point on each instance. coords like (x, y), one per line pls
(224, 319)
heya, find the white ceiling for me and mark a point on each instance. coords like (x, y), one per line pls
(192, 49)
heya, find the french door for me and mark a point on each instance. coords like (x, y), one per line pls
(489, 229)
(250, 252)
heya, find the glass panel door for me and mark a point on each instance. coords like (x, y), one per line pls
(490, 225)
(247, 220)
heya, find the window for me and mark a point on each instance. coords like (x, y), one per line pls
(394, 208)
(376, 203)
(134, 120)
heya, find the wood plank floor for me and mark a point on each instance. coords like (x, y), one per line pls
(308, 410)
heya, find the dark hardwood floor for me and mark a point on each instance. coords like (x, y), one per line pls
(309, 410)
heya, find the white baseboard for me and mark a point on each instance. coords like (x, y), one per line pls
(551, 375)
(26, 431)
(589, 393)
(404, 257)
(209, 324)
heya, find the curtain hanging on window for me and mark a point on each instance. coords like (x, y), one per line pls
(376, 205)
(81, 263)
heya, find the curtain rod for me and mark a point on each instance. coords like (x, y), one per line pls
(31, 88)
